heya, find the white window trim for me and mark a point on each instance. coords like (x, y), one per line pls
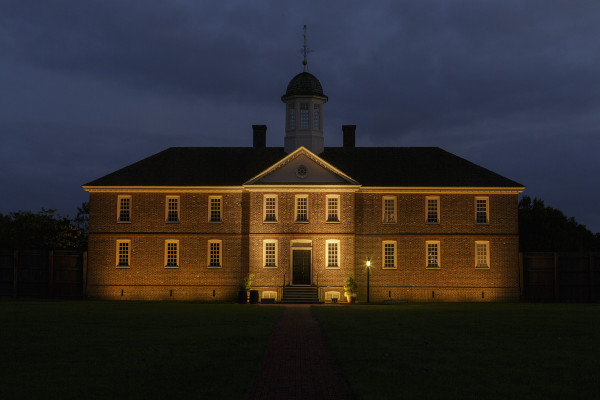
(269, 294)
(437, 198)
(487, 253)
(220, 242)
(167, 209)
(339, 260)
(487, 210)
(296, 197)
(394, 216)
(395, 254)
(128, 254)
(210, 198)
(339, 208)
(268, 196)
(332, 294)
(439, 254)
(167, 242)
(265, 253)
(119, 209)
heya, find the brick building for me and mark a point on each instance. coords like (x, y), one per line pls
(190, 223)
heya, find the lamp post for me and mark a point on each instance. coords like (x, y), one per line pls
(368, 273)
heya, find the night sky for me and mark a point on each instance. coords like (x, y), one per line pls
(88, 87)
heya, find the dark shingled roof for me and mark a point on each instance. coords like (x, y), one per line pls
(370, 166)
(304, 84)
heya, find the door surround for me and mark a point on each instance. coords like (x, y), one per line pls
(300, 244)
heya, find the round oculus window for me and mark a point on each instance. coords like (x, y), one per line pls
(302, 171)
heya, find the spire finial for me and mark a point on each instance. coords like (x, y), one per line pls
(305, 50)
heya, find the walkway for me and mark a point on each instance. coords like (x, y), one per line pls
(298, 364)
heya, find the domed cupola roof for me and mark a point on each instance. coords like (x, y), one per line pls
(304, 84)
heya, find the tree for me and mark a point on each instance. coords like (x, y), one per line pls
(82, 220)
(44, 230)
(543, 228)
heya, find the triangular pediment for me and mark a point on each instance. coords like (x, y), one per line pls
(302, 167)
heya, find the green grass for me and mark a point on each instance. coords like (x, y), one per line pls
(466, 351)
(130, 350)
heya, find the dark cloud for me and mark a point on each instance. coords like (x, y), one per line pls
(92, 86)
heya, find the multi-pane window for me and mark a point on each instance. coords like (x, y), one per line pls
(389, 210)
(214, 253)
(270, 253)
(171, 253)
(291, 116)
(389, 254)
(124, 203)
(333, 253)
(482, 254)
(302, 208)
(123, 249)
(172, 208)
(316, 117)
(481, 210)
(304, 115)
(333, 208)
(214, 205)
(270, 207)
(433, 254)
(433, 208)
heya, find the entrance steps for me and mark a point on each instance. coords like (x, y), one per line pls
(300, 295)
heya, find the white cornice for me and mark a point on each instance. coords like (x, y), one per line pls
(163, 189)
(433, 190)
(302, 188)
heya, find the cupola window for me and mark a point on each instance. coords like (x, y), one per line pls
(291, 116)
(304, 116)
(316, 117)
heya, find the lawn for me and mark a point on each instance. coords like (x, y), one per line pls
(466, 351)
(130, 350)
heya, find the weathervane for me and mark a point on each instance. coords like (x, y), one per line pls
(305, 50)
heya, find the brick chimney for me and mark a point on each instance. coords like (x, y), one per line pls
(349, 132)
(259, 136)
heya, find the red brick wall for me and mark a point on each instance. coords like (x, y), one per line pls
(456, 214)
(360, 232)
(147, 277)
(148, 213)
(316, 213)
(457, 279)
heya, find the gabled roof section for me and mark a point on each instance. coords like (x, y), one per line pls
(302, 167)
(370, 166)
(412, 167)
(195, 166)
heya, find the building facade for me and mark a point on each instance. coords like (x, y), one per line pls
(191, 223)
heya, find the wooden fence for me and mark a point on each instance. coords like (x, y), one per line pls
(560, 277)
(35, 273)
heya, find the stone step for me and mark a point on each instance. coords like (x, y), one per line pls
(300, 295)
